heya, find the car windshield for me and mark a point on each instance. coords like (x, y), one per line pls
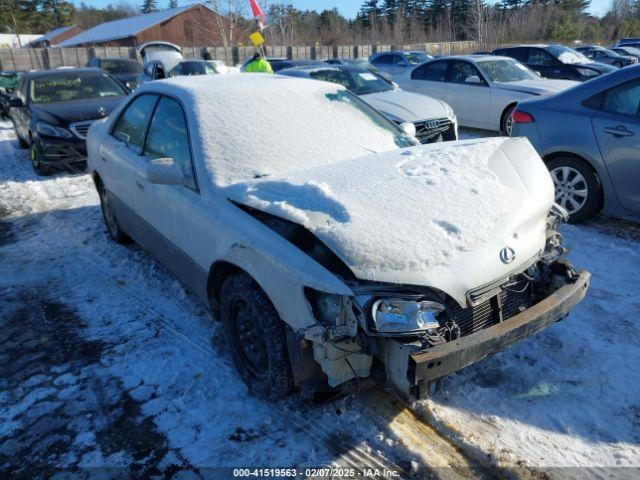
(567, 55)
(67, 86)
(417, 58)
(360, 82)
(506, 71)
(118, 67)
(195, 68)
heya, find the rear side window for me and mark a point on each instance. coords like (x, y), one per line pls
(168, 137)
(432, 71)
(383, 60)
(623, 100)
(539, 57)
(132, 124)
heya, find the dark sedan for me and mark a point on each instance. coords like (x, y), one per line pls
(52, 111)
(556, 61)
(605, 55)
(589, 136)
(125, 70)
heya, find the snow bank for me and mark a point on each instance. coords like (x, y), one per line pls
(410, 209)
(258, 125)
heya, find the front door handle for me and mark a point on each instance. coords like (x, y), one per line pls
(140, 184)
(618, 132)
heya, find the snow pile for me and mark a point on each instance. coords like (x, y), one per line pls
(410, 209)
(258, 125)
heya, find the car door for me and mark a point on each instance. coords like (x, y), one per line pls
(617, 130)
(163, 206)
(20, 115)
(468, 93)
(428, 79)
(384, 62)
(120, 161)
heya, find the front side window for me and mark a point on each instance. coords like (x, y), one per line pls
(132, 124)
(462, 71)
(383, 60)
(623, 100)
(506, 71)
(64, 87)
(168, 137)
(124, 66)
(359, 82)
(539, 58)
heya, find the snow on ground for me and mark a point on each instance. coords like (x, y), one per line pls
(105, 360)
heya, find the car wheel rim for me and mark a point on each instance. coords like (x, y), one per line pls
(571, 187)
(109, 216)
(508, 126)
(34, 156)
(249, 342)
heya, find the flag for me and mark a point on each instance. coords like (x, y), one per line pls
(257, 13)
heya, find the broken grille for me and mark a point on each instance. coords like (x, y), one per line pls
(504, 305)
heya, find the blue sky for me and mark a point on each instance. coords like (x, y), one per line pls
(349, 8)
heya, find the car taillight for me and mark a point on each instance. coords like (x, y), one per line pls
(522, 117)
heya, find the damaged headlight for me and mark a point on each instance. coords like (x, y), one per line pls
(393, 315)
(326, 307)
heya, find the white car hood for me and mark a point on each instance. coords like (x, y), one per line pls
(434, 215)
(406, 106)
(538, 87)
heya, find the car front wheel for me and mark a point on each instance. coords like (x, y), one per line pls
(110, 220)
(255, 336)
(577, 188)
(36, 160)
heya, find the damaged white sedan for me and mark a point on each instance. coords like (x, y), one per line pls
(332, 247)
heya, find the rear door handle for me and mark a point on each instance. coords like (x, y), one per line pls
(619, 131)
(140, 184)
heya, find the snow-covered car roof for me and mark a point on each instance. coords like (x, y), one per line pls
(258, 125)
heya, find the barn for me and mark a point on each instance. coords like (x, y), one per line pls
(187, 26)
(55, 36)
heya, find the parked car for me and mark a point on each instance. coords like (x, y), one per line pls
(278, 63)
(397, 62)
(158, 58)
(631, 51)
(634, 41)
(126, 70)
(8, 82)
(322, 253)
(605, 55)
(433, 119)
(352, 62)
(198, 67)
(52, 111)
(482, 89)
(556, 61)
(594, 158)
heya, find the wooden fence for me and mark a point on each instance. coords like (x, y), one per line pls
(25, 59)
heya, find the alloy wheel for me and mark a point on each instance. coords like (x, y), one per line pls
(571, 188)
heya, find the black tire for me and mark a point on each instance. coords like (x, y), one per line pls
(109, 216)
(255, 336)
(21, 143)
(504, 121)
(617, 64)
(566, 170)
(35, 155)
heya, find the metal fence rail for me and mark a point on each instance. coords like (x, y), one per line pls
(25, 59)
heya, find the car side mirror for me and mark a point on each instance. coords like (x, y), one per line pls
(408, 128)
(473, 80)
(164, 171)
(15, 102)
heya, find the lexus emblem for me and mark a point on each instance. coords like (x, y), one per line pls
(102, 111)
(507, 255)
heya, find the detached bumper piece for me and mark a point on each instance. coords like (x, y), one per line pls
(413, 371)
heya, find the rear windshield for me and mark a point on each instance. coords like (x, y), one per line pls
(64, 87)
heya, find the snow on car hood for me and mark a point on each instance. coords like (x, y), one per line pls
(434, 215)
(406, 106)
(538, 87)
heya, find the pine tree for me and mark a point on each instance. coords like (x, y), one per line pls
(149, 6)
(173, 3)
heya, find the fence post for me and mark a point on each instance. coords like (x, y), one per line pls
(289, 53)
(91, 52)
(356, 51)
(235, 55)
(314, 54)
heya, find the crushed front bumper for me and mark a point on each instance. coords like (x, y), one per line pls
(412, 373)
(61, 152)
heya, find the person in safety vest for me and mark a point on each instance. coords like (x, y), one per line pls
(258, 65)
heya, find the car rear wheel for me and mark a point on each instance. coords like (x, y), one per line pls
(110, 220)
(577, 188)
(36, 161)
(506, 122)
(256, 338)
